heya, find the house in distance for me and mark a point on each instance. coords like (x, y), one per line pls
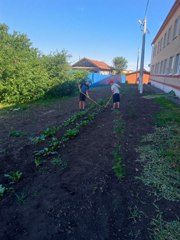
(93, 66)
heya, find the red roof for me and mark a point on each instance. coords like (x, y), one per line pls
(99, 64)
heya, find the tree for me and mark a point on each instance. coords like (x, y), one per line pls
(120, 64)
(57, 65)
(22, 75)
(27, 75)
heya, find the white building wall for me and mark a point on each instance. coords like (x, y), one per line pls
(163, 78)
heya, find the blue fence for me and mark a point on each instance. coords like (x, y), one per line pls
(96, 77)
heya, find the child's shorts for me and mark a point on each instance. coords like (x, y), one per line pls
(116, 98)
(82, 97)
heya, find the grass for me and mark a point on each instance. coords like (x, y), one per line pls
(160, 156)
(5, 107)
(163, 230)
(135, 214)
(160, 153)
(117, 158)
(170, 113)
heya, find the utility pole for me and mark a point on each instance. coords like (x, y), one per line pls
(142, 56)
(137, 67)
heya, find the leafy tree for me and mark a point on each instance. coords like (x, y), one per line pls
(22, 75)
(26, 75)
(56, 65)
(120, 64)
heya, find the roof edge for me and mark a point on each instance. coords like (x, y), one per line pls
(168, 17)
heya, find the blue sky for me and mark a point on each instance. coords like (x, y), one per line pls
(96, 29)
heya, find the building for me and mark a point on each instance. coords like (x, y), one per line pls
(165, 60)
(132, 78)
(93, 66)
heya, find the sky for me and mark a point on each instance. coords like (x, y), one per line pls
(95, 29)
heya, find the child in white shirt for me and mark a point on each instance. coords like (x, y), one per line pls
(116, 95)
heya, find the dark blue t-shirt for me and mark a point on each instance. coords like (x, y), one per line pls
(84, 88)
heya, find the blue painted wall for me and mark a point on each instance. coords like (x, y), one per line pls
(96, 77)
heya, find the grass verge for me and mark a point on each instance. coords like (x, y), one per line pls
(160, 156)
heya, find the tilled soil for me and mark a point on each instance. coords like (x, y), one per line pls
(84, 199)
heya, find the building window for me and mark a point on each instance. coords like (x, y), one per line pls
(165, 37)
(152, 69)
(176, 28)
(156, 68)
(161, 43)
(171, 65)
(161, 67)
(177, 65)
(158, 47)
(165, 66)
(154, 53)
(169, 35)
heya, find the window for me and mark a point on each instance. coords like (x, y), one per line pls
(169, 35)
(158, 68)
(171, 64)
(158, 47)
(154, 52)
(161, 67)
(165, 66)
(164, 43)
(152, 69)
(176, 28)
(177, 65)
(161, 44)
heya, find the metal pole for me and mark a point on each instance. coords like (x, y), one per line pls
(142, 57)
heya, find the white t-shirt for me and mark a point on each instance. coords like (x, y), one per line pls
(115, 88)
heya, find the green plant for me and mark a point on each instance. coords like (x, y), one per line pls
(38, 139)
(71, 133)
(14, 177)
(38, 161)
(59, 162)
(117, 163)
(118, 125)
(2, 190)
(16, 133)
(50, 132)
(20, 198)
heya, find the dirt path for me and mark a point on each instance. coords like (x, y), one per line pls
(85, 200)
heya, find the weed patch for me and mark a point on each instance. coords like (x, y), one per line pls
(163, 230)
(159, 153)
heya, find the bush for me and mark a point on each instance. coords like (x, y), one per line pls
(26, 75)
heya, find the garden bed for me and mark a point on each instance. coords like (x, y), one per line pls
(77, 193)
